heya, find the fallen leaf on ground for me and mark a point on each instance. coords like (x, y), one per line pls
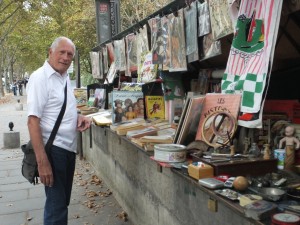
(95, 180)
(91, 194)
(123, 216)
(76, 216)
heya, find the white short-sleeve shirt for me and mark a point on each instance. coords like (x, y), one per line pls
(45, 97)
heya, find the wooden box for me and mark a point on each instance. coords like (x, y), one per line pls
(198, 172)
(244, 167)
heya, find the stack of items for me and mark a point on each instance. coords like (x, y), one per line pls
(102, 118)
(124, 128)
(148, 142)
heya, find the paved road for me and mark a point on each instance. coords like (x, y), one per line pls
(22, 203)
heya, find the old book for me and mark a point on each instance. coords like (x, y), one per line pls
(167, 139)
(114, 126)
(135, 124)
(141, 132)
(127, 105)
(102, 119)
(182, 117)
(189, 127)
(167, 131)
(100, 98)
(155, 107)
(218, 118)
(123, 129)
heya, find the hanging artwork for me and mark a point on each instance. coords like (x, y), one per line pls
(165, 43)
(95, 64)
(190, 15)
(203, 19)
(251, 56)
(148, 71)
(157, 40)
(110, 53)
(119, 52)
(111, 74)
(100, 64)
(131, 53)
(209, 47)
(105, 59)
(220, 19)
(177, 42)
(143, 47)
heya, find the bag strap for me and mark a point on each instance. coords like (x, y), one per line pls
(57, 123)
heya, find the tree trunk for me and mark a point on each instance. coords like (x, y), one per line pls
(1, 83)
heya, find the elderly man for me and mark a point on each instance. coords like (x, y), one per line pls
(45, 97)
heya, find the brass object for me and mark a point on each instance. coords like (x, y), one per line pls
(267, 151)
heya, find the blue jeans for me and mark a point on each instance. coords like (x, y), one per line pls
(58, 196)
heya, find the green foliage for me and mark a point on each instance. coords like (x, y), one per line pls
(28, 28)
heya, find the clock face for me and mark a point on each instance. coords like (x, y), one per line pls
(285, 217)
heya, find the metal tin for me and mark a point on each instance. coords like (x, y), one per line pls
(170, 152)
(285, 219)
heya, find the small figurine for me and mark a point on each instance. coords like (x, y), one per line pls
(290, 142)
(267, 151)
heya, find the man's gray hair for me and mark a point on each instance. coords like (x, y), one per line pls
(59, 39)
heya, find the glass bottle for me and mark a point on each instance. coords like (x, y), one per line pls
(254, 151)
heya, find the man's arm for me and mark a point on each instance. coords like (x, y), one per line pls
(44, 166)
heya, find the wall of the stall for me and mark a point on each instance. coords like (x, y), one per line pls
(149, 195)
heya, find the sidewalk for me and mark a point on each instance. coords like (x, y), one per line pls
(22, 203)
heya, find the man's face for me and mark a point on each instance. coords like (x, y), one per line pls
(61, 57)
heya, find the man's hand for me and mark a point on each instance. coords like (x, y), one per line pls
(45, 171)
(83, 123)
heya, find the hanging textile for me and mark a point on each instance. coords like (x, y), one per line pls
(251, 56)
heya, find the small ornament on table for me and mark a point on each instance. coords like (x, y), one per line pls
(290, 141)
(267, 151)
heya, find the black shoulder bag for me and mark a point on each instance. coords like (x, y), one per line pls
(29, 164)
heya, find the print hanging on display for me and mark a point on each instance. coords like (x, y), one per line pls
(165, 42)
(220, 20)
(209, 48)
(143, 47)
(119, 52)
(131, 46)
(95, 64)
(105, 59)
(203, 19)
(110, 53)
(157, 40)
(177, 42)
(148, 70)
(111, 74)
(100, 64)
(190, 15)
